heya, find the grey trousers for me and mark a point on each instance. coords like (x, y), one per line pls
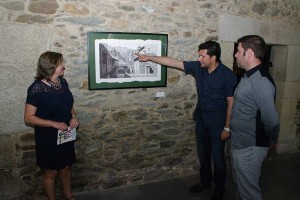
(246, 168)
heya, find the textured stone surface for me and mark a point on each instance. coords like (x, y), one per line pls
(43, 6)
(76, 9)
(6, 149)
(274, 32)
(22, 44)
(13, 91)
(292, 71)
(128, 136)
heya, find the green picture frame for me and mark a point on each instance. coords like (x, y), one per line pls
(112, 63)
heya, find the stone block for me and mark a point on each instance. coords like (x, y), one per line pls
(232, 27)
(287, 133)
(21, 45)
(279, 61)
(227, 53)
(11, 187)
(13, 91)
(27, 170)
(45, 7)
(28, 147)
(27, 137)
(288, 110)
(113, 182)
(291, 90)
(29, 155)
(7, 154)
(153, 174)
(279, 89)
(287, 138)
(293, 70)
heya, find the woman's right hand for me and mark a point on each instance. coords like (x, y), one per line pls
(60, 125)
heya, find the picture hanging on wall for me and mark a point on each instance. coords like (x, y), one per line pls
(113, 64)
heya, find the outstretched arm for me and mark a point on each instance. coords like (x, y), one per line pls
(166, 61)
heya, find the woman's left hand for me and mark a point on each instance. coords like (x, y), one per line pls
(74, 123)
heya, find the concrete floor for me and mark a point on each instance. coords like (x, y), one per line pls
(280, 180)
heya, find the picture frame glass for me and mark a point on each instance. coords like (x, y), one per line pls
(113, 64)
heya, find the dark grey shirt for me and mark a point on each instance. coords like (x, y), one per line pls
(254, 119)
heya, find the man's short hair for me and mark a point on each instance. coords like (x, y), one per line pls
(213, 49)
(254, 42)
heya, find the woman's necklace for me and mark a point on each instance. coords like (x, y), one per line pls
(54, 85)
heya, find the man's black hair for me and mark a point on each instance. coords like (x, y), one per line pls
(213, 49)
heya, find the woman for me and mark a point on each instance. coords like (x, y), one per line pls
(50, 108)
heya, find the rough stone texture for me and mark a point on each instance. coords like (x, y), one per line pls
(15, 81)
(14, 5)
(19, 53)
(6, 149)
(76, 9)
(29, 19)
(22, 44)
(274, 32)
(128, 136)
(43, 6)
(293, 72)
(279, 60)
(227, 53)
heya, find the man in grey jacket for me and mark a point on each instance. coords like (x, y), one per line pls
(254, 124)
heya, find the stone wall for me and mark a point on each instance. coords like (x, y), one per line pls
(128, 136)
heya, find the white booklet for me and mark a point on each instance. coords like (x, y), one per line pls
(66, 136)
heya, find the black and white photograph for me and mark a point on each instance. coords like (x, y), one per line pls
(116, 62)
(113, 63)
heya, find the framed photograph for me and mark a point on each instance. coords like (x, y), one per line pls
(113, 64)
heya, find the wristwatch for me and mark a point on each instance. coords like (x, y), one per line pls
(226, 129)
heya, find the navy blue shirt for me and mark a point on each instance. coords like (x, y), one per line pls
(212, 88)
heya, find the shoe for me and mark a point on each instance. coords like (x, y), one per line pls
(218, 194)
(199, 187)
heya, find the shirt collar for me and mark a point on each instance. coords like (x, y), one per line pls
(253, 70)
(220, 67)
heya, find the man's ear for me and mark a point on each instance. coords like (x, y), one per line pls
(249, 53)
(214, 57)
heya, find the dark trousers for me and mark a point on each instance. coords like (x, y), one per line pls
(210, 146)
